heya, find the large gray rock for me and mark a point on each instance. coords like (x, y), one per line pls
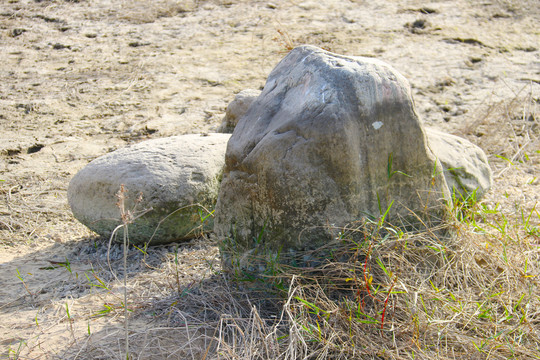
(171, 173)
(330, 140)
(465, 165)
(238, 108)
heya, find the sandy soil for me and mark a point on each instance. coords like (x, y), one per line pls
(81, 78)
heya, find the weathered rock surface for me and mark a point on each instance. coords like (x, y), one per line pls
(330, 139)
(171, 173)
(465, 165)
(238, 108)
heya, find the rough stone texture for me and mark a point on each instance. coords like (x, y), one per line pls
(330, 139)
(466, 168)
(170, 172)
(238, 108)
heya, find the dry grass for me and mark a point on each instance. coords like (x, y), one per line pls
(473, 294)
(397, 295)
(509, 128)
(26, 206)
(386, 294)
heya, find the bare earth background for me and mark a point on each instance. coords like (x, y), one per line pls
(81, 78)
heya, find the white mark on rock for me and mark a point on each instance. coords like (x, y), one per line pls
(323, 91)
(377, 125)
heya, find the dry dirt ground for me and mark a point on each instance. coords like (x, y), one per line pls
(81, 78)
